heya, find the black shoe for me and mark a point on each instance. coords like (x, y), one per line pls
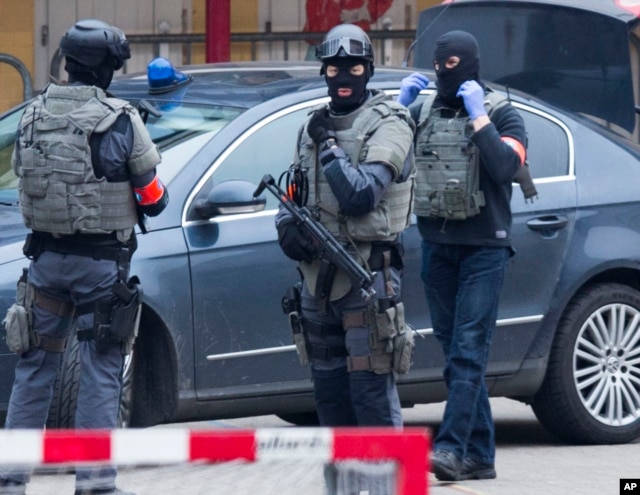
(102, 491)
(474, 470)
(8, 487)
(446, 465)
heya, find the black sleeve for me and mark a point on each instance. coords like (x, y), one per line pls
(110, 150)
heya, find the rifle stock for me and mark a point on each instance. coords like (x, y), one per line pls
(330, 249)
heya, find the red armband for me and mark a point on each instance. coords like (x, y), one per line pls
(516, 146)
(149, 194)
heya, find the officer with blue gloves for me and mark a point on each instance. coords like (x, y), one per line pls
(469, 147)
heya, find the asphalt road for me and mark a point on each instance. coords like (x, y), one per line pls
(528, 461)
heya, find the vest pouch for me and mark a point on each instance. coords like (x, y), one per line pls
(85, 208)
(385, 322)
(16, 327)
(453, 199)
(403, 346)
(299, 340)
(373, 226)
(34, 172)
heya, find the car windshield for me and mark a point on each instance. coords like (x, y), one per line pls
(180, 132)
(8, 181)
(182, 129)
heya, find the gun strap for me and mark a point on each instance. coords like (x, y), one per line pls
(53, 305)
(371, 362)
(355, 319)
(50, 344)
(324, 283)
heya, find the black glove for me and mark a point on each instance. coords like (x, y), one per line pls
(294, 242)
(321, 127)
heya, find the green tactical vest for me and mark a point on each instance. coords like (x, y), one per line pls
(393, 213)
(447, 181)
(59, 192)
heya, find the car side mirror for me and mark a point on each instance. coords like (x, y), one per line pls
(231, 197)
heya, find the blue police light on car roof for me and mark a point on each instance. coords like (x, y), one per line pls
(163, 77)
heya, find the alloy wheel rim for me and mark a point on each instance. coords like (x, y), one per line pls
(606, 364)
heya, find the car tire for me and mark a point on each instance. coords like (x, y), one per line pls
(62, 411)
(590, 393)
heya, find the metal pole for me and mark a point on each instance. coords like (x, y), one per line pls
(218, 31)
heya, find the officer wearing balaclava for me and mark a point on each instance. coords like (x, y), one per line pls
(360, 190)
(464, 130)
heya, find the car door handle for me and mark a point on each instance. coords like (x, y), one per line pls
(547, 222)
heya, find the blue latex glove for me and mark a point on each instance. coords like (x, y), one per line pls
(411, 87)
(473, 95)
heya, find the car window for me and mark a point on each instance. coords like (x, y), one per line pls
(182, 129)
(548, 146)
(180, 122)
(8, 181)
(269, 149)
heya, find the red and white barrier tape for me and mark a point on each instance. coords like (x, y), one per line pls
(409, 447)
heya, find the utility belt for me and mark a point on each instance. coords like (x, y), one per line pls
(116, 318)
(96, 246)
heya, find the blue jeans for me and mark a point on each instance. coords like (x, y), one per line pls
(462, 285)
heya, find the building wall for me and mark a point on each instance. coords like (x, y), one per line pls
(16, 39)
(22, 36)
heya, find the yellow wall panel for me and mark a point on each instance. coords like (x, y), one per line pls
(423, 4)
(16, 39)
(244, 19)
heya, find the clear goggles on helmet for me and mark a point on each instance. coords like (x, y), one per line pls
(353, 48)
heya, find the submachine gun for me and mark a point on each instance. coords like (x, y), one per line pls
(329, 249)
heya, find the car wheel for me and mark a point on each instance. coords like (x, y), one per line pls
(301, 419)
(62, 411)
(591, 391)
(65, 389)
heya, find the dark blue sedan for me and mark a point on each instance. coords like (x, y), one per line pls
(213, 341)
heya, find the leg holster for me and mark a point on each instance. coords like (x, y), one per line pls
(301, 328)
(391, 339)
(380, 358)
(116, 318)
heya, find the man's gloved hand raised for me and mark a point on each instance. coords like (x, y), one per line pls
(473, 95)
(294, 242)
(321, 127)
(411, 87)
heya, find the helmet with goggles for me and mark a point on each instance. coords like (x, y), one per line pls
(346, 40)
(92, 42)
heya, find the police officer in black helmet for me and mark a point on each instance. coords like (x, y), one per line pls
(356, 153)
(87, 170)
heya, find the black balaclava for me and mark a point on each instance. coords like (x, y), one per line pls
(344, 79)
(99, 76)
(464, 46)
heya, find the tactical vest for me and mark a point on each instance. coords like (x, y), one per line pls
(59, 192)
(448, 163)
(393, 213)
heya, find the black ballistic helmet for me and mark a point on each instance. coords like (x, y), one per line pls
(92, 42)
(346, 40)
